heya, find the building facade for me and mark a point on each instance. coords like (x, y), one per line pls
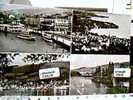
(58, 22)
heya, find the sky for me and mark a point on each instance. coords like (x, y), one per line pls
(119, 5)
(78, 61)
(72, 3)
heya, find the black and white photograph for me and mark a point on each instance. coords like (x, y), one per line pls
(24, 28)
(66, 49)
(100, 74)
(25, 74)
(99, 32)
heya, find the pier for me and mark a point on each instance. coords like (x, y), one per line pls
(57, 37)
(66, 43)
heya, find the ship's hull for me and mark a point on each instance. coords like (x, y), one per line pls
(27, 38)
(47, 39)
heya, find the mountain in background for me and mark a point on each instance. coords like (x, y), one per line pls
(23, 2)
(121, 65)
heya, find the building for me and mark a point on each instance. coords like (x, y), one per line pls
(57, 22)
(63, 23)
(12, 28)
(47, 24)
(32, 21)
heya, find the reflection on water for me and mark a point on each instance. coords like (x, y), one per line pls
(10, 43)
(88, 88)
(85, 86)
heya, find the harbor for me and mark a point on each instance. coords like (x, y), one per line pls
(37, 33)
(10, 42)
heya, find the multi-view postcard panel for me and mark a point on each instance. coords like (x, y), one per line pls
(44, 30)
(58, 30)
(64, 51)
(34, 74)
(100, 33)
(100, 74)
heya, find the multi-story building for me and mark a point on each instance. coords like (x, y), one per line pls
(63, 23)
(47, 24)
(57, 22)
(32, 21)
(13, 28)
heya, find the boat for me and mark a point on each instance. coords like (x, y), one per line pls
(26, 36)
(47, 37)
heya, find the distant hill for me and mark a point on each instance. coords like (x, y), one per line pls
(122, 65)
(24, 2)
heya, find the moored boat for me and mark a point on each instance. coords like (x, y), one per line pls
(26, 36)
(47, 37)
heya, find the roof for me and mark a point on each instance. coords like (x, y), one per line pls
(86, 9)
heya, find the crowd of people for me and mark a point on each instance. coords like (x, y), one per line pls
(16, 87)
(95, 43)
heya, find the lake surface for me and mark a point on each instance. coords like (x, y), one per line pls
(10, 43)
(123, 21)
(85, 86)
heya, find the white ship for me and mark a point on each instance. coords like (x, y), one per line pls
(26, 36)
(47, 37)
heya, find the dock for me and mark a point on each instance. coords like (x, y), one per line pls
(57, 37)
(66, 43)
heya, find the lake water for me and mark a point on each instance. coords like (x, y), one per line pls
(123, 21)
(85, 86)
(10, 43)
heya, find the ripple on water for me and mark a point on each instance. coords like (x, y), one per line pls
(10, 43)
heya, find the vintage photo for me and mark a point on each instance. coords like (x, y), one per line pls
(34, 74)
(24, 28)
(99, 32)
(100, 74)
(66, 49)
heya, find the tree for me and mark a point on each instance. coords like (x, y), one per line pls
(33, 58)
(110, 68)
(5, 60)
(4, 18)
(98, 71)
